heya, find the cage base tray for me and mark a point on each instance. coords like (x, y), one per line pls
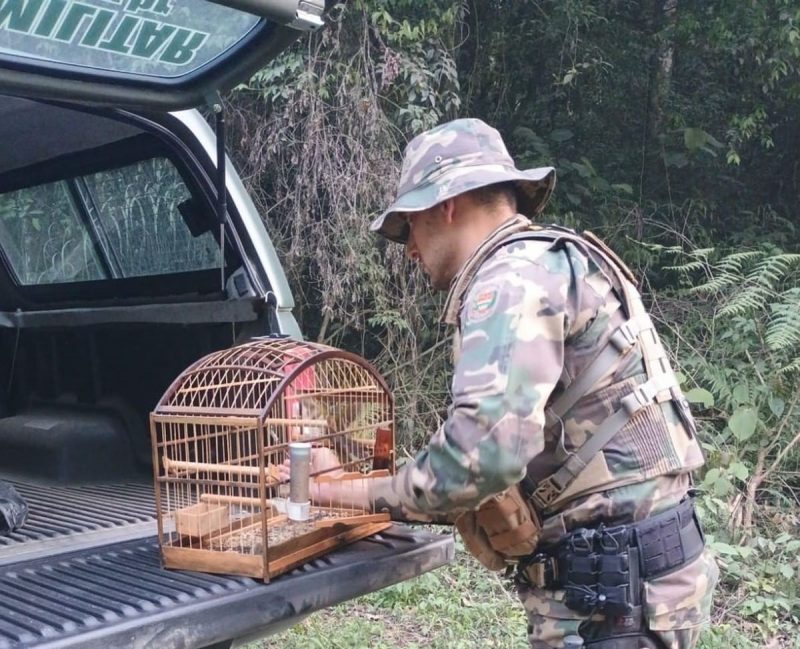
(240, 551)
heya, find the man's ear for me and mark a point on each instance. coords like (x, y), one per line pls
(448, 209)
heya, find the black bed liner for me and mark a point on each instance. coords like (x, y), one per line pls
(119, 596)
(76, 517)
(72, 517)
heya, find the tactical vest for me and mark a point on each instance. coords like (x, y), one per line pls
(681, 451)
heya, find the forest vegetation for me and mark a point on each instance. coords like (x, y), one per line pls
(675, 130)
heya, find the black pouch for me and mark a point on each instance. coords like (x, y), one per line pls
(597, 575)
(13, 509)
(634, 641)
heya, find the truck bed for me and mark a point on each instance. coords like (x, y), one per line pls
(72, 517)
(69, 580)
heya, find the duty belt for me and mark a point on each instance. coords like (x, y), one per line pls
(601, 569)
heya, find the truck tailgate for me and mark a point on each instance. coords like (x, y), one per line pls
(119, 596)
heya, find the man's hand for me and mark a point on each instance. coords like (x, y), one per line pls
(321, 460)
(325, 486)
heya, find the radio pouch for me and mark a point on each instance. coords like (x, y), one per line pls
(503, 528)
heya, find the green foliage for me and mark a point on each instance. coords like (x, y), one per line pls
(737, 349)
(748, 284)
(784, 332)
(460, 605)
(761, 578)
(321, 130)
(674, 128)
(418, 77)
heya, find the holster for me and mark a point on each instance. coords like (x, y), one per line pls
(502, 529)
(601, 569)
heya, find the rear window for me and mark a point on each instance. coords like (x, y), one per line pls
(143, 37)
(130, 221)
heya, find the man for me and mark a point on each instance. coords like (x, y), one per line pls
(562, 396)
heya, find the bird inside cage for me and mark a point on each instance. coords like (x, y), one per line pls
(349, 431)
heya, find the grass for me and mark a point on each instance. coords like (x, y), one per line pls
(460, 605)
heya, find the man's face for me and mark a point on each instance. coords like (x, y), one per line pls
(431, 243)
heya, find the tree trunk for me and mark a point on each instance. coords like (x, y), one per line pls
(664, 28)
(659, 17)
(752, 487)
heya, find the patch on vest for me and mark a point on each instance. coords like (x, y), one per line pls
(482, 305)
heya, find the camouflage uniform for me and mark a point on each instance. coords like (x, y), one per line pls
(529, 316)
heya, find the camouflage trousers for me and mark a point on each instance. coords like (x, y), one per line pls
(675, 608)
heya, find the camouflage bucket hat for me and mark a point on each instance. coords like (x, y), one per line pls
(454, 158)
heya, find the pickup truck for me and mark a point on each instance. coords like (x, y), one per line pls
(129, 248)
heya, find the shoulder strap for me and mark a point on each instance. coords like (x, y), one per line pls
(638, 330)
(625, 279)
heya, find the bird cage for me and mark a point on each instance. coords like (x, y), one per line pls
(226, 426)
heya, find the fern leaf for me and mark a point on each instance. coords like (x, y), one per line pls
(716, 284)
(791, 368)
(771, 271)
(783, 331)
(675, 251)
(717, 382)
(688, 266)
(736, 262)
(752, 298)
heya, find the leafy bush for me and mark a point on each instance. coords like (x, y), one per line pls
(740, 356)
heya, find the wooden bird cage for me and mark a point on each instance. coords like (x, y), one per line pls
(221, 433)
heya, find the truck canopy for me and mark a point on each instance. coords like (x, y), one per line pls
(143, 54)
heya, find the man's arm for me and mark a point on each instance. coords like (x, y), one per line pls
(514, 323)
